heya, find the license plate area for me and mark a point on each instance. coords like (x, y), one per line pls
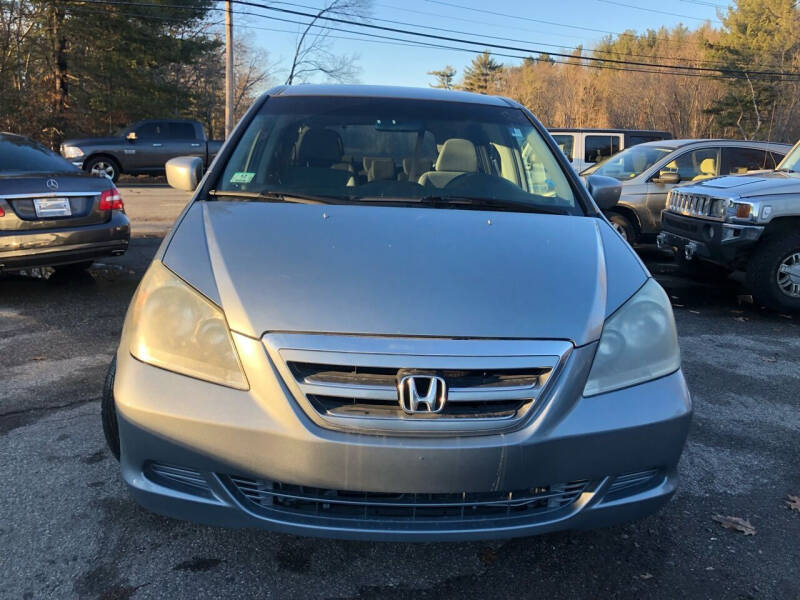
(52, 207)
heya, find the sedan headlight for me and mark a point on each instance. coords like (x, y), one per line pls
(176, 328)
(639, 343)
(71, 152)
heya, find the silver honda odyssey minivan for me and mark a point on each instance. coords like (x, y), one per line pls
(396, 314)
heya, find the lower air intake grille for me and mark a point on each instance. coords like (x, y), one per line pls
(365, 506)
(178, 478)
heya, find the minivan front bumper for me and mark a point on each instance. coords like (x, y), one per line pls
(203, 452)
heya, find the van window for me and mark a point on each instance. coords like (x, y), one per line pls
(567, 144)
(598, 147)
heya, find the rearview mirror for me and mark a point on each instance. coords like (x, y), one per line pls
(605, 190)
(184, 172)
(131, 137)
(669, 177)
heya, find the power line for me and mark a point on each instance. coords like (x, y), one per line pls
(654, 10)
(732, 72)
(561, 46)
(584, 60)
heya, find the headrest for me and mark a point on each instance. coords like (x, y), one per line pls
(380, 168)
(319, 147)
(708, 166)
(422, 165)
(457, 155)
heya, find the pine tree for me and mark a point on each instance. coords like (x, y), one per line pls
(757, 35)
(483, 75)
(444, 78)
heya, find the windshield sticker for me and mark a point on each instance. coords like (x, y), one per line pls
(242, 177)
(516, 133)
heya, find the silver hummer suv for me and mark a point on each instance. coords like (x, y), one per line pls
(749, 223)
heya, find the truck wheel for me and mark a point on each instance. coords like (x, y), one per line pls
(623, 226)
(108, 412)
(102, 166)
(773, 273)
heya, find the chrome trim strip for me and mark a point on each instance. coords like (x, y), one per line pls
(48, 195)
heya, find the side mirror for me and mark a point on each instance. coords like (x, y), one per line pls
(605, 190)
(131, 137)
(184, 172)
(668, 177)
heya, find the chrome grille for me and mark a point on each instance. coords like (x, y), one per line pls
(351, 382)
(364, 506)
(693, 205)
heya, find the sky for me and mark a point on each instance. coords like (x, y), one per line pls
(394, 61)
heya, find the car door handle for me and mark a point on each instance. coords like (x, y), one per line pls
(195, 145)
(156, 145)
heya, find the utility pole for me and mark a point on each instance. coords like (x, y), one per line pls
(228, 68)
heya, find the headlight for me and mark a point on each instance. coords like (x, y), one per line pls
(71, 152)
(639, 343)
(718, 208)
(176, 328)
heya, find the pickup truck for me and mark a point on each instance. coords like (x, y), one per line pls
(746, 222)
(142, 148)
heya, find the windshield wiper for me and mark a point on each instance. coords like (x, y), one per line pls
(492, 203)
(785, 170)
(270, 196)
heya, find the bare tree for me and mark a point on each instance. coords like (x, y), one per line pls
(313, 52)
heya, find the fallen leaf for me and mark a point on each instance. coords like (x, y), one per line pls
(646, 576)
(695, 312)
(39, 358)
(769, 359)
(785, 316)
(793, 502)
(488, 556)
(678, 305)
(735, 523)
(741, 319)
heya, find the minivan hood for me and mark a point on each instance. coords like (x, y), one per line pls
(400, 271)
(747, 186)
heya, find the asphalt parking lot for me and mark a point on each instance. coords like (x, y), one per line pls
(70, 529)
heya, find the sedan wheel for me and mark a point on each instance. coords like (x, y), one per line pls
(623, 226)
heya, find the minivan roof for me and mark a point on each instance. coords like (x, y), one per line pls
(388, 91)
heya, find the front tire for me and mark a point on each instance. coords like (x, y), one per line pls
(102, 166)
(108, 411)
(623, 226)
(773, 273)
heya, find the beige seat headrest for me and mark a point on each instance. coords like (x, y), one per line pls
(457, 155)
(380, 168)
(708, 166)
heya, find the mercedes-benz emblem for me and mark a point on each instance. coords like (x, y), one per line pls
(52, 184)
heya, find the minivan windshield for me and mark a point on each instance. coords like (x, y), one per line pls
(397, 151)
(791, 162)
(629, 163)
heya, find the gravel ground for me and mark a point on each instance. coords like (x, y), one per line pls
(70, 529)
